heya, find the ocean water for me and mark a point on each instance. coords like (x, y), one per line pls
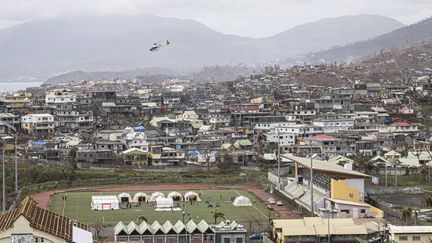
(15, 86)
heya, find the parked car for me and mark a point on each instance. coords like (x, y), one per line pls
(257, 236)
(269, 207)
(271, 200)
(279, 203)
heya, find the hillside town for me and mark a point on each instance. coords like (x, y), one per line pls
(217, 121)
(354, 139)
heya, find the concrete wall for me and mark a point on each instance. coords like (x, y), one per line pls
(341, 190)
(357, 184)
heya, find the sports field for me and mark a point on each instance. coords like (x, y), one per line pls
(77, 206)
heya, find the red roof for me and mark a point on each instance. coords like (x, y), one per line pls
(322, 137)
(403, 124)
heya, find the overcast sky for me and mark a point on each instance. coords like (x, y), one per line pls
(255, 18)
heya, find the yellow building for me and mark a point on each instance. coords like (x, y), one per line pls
(410, 234)
(29, 223)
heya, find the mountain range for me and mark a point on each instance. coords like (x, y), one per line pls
(41, 49)
(407, 36)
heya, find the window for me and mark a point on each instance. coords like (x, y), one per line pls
(403, 238)
(227, 240)
(239, 240)
(416, 238)
(362, 210)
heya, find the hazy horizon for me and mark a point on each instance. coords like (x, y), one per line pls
(253, 18)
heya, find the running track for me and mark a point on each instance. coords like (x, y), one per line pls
(285, 212)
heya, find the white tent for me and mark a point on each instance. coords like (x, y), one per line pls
(155, 195)
(104, 203)
(176, 196)
(192, 196)
(124, 197)
(140, 197)
(162, 202)
(241, 201)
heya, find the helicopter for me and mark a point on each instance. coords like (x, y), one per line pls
(158, 45)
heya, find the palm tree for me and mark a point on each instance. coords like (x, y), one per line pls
(406, 215)
(260, 139)
(429, 201)
(415, 211)
(216, 215)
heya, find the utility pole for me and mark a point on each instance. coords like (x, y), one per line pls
(328, 225)
(4, 179)
(396, 174)
(386, 174)
(16, 164)
(278, 159)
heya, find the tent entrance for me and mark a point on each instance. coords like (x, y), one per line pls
(106, 206)
(142, 199)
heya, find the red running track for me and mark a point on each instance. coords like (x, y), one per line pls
(285, 211)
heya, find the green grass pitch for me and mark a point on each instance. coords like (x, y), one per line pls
(77, 206)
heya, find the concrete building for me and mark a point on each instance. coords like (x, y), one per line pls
(330, 145)
(334, 125)
(338, 188)
(55, 97)
(8, 121)
(69, 116)
(39, 125)
(410, 234)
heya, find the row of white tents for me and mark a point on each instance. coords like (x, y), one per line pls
(113, 202)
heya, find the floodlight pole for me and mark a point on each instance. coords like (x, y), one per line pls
(278, 158)
(311, 176)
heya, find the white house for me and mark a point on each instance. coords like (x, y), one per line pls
(38, 124)
(334, 125)
(54, 97)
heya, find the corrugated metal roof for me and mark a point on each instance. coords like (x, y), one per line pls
(319, 226)
(325, 166)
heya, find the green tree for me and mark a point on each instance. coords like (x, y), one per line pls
(70, 166)
(363, 163)
(429, 201)
(406, 215)
(260, 140)
(98, 226)
(216, 215)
